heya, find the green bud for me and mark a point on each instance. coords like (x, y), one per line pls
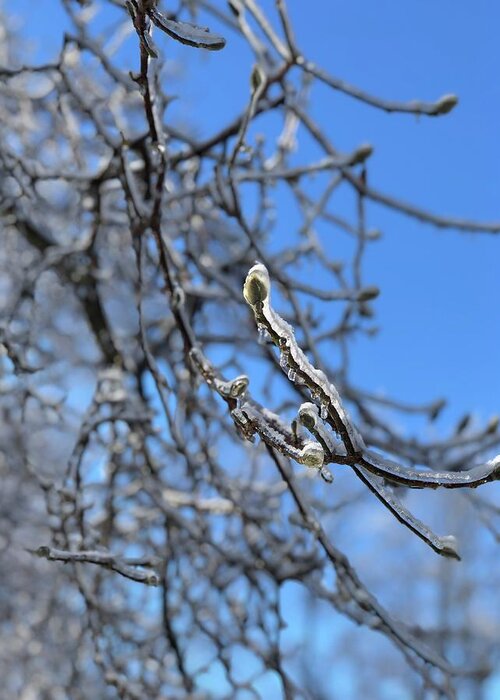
(313, 455)
(257, 286)
(308, 415)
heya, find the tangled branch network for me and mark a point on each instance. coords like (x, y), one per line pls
(149, 550)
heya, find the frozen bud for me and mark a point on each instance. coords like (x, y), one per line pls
(446, 103)
(362, 153)
(257, 286)
(326, 475)
(152, 579)
(450, 545)
(257, 77)
(368, 293)
(308, 415)
(313, 455)
(238, 386)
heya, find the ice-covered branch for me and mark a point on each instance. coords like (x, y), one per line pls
(327, 409)
(105, 559)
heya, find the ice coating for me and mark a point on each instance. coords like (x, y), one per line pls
(257, 287)
(293, 361)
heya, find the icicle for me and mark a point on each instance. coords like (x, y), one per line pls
(292, 374)
(263, 334)
(324, 411)
(326, 475)
(284, 360)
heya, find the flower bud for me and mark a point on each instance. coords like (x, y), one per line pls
(257, 286)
